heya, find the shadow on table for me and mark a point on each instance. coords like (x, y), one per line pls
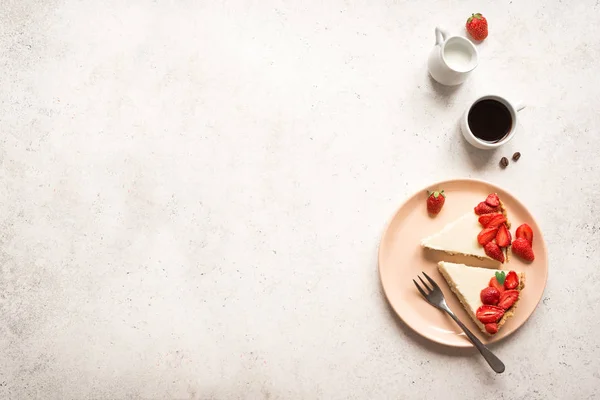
(444, 92)
(478, 158)
(438, 348)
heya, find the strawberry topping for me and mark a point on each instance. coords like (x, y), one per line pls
(508, 298)
(496, 221)
(487, 314)
(485, 219)
(493, 251)
(490, 296)
(503, 238)
(495, 284)
(492, 200)
(491, 328)
(511, 281)
(486, 236)
(483, 208)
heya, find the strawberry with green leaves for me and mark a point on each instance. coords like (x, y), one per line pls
(435, 202)
(477, 26)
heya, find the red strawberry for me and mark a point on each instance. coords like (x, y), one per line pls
(490, 296)
(485, 219)
(493, 200)
(495, 284)
(483, 208)
(477, 26)
(496, 221)
(503, 238)
(487, 314)
(525, 231)
(508, 298)
(493, 251)
(486, 235)
(522, 248)
(491, 328)
(435, 201)
(511, 281)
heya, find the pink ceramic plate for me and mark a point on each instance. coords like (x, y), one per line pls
(401, 258)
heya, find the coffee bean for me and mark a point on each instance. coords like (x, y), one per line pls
(516, 156)
(504, 162)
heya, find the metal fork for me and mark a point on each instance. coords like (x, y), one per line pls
(435, 297)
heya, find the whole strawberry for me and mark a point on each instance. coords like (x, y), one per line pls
(477, 26)
(435, 201)
(490, 296)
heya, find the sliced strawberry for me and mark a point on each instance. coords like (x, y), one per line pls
(492, 200)
(522, 248)
(495, 284)
(524, 231)
(487, 314)
(490, 296)
(511, 281)
(493, 251)
(503, 238)
(508, 298)
(496, 221)
(491, 328)
(485, 219)
(483, 208)
(486, 235)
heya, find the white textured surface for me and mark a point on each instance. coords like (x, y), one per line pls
(192, 195)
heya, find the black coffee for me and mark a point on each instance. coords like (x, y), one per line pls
(490, 120)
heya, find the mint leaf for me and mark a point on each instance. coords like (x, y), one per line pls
(500, 277)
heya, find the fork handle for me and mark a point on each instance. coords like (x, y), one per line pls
(492, 360)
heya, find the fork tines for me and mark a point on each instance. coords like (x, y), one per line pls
(431, 281)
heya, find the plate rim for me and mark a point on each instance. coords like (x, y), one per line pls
(467, 343)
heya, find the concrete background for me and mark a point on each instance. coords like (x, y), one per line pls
(192, 195)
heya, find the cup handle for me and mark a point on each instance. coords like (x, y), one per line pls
(440, 36)
(519, 105)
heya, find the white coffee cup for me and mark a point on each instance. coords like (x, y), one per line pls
(513, 108)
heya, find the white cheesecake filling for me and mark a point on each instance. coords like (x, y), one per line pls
(458, 237)
(468, 281)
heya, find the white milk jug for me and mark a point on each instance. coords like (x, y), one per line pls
(452, 58)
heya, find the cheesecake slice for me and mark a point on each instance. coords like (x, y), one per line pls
(467, 282)
(459, 237)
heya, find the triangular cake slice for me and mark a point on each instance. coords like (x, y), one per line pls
(459, 237)
(467, 283)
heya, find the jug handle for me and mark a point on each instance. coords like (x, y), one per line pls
(440, 36)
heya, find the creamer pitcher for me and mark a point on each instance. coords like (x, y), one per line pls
(452, 59)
